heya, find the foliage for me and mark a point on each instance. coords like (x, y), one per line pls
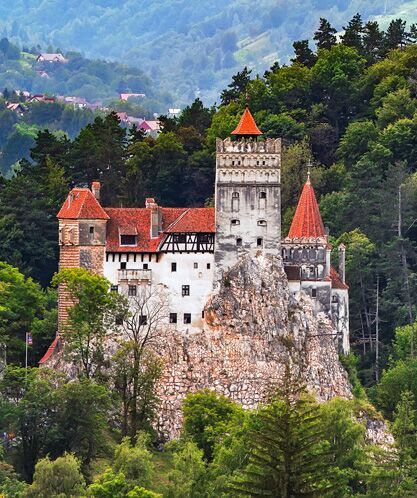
(135, 462)
(206, 415)
(59, 478)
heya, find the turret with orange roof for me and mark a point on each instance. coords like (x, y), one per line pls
(247, 126)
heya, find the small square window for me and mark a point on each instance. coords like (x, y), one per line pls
(143, 320)
(235, 222)
(262, 223)
(91, 229)
(132, 290)
(195, 266)
(114, 288)
(185, 290)
(262, 195)
(173, 266)
(259, 242)
(123, 266)
(172, 318)
(187, 317)
(145, 266)
(208, 266)
(313, 292)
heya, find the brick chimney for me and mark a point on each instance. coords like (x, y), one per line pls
(156, 217)
(342, 262)
(95, 188)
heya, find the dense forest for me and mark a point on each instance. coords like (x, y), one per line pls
(350, 108)
(191, 50)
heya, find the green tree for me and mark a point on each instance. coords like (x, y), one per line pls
(352, 36)
(186, 480)
(92, 316)
(57, 479)
(206, 414)
(325, 34)
(111, 485)
(236, 87)
(396, 34)
(303, 53)
(135, 462)
(373, 41)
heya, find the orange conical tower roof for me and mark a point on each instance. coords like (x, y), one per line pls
(307, 221)
(247, 125)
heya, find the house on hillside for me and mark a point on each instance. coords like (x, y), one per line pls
(18, 108)
(150, 127)
(43, 57)
(174, 113)
(79, 102)
(43, 74)
(40, 97)
(127, 96)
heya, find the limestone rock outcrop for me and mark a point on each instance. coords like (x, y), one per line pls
(254, 327)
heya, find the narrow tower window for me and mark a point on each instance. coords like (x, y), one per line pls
(259, 242)
(235, 201)
(239, 242)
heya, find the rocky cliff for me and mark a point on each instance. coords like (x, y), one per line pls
(254, 327)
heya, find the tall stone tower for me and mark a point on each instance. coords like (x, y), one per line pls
(248, 195)
(82, 238)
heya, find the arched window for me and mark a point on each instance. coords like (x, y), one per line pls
(235, 201)
(262, 223)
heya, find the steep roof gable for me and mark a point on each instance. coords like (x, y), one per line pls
(82, 204)
(247, 125)
(307, 221)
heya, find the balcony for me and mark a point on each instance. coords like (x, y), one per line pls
(134, 275)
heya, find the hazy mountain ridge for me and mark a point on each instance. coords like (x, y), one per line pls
(186, 47)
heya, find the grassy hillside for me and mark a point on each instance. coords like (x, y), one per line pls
(190, 48)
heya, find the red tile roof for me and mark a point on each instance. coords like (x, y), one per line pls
(307, 221)
(137, 221)
(81, 204)
(336, 281)
(50, 351)
(247, 125)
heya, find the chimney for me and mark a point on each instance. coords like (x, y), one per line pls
(155, 217)
(342, 261)
(95, 188)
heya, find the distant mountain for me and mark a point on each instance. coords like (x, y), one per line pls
(188, 47)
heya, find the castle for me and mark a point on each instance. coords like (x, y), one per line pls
(190, 250)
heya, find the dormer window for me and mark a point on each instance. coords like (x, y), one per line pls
(128, 240)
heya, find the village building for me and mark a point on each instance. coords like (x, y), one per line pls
(127, 96)
(45, 57)
(188, 251)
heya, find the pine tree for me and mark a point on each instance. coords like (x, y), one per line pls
(396, 35)
(303, 53)
(288, 455)
(412, 35)
(325, 35)
(236, 87)
(353, 33)
(373, 41)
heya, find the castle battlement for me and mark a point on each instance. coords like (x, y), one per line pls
(248, 146)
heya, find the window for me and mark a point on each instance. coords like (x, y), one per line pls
(145, 266)
(262, 195)
(119, 320)
(132, 290)
(311, 271)
(128, 240)
(235, 195)
(202, 314)
(235, 222)
(123, 266)
(91, 229)
(172, 318)
(235, 201)
(262, 223)
(208, 266)
(187, 317)
(179, 237)
(259, 241)
(239, 242)
(185, 290)
(334, 299)
(114, 288)
(143, 320)
(195, 266)
(173, 266)
(314, 292)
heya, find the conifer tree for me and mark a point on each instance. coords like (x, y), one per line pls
(288, 456)
(236, 87)
(373, 40)
(396, 35)
(325, 35)
(353, 33)
(303, 53)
